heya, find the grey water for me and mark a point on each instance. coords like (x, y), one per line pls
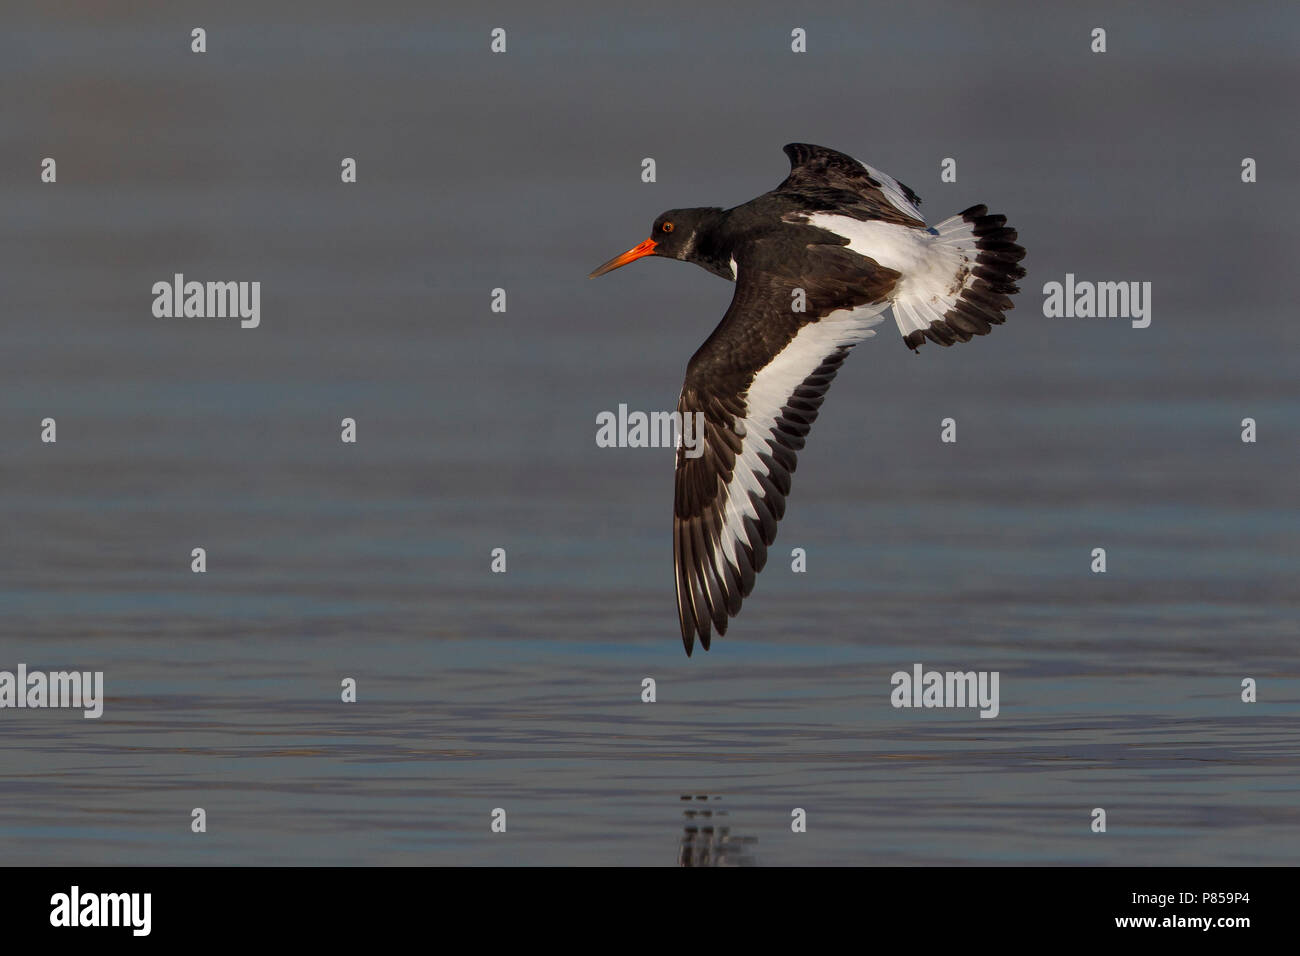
(476, 431)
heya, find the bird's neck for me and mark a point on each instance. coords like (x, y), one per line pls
(710, 247)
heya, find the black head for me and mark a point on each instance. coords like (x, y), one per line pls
(676, 234)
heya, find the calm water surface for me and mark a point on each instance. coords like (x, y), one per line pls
(476, 431)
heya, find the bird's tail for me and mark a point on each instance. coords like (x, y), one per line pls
(985, 260)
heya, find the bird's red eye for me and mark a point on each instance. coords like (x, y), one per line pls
(667, 227)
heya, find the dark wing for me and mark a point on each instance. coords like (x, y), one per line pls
(754, 389)
(825, 179)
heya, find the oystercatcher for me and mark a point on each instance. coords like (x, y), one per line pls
(816, 262)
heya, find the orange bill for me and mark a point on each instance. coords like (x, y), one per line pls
(646, 248)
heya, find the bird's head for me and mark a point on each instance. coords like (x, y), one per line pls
(676, 234)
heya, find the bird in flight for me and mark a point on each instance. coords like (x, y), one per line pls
(816, 263)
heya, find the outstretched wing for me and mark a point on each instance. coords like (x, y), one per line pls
(826, 179)
(755, 387)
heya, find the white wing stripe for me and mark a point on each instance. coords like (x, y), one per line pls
(768, 394)
(893, 191)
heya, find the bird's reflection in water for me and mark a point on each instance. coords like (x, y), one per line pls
(707, 839)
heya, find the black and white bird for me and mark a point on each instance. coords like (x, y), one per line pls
(853, 240)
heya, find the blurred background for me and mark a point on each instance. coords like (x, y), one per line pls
(476, 430)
